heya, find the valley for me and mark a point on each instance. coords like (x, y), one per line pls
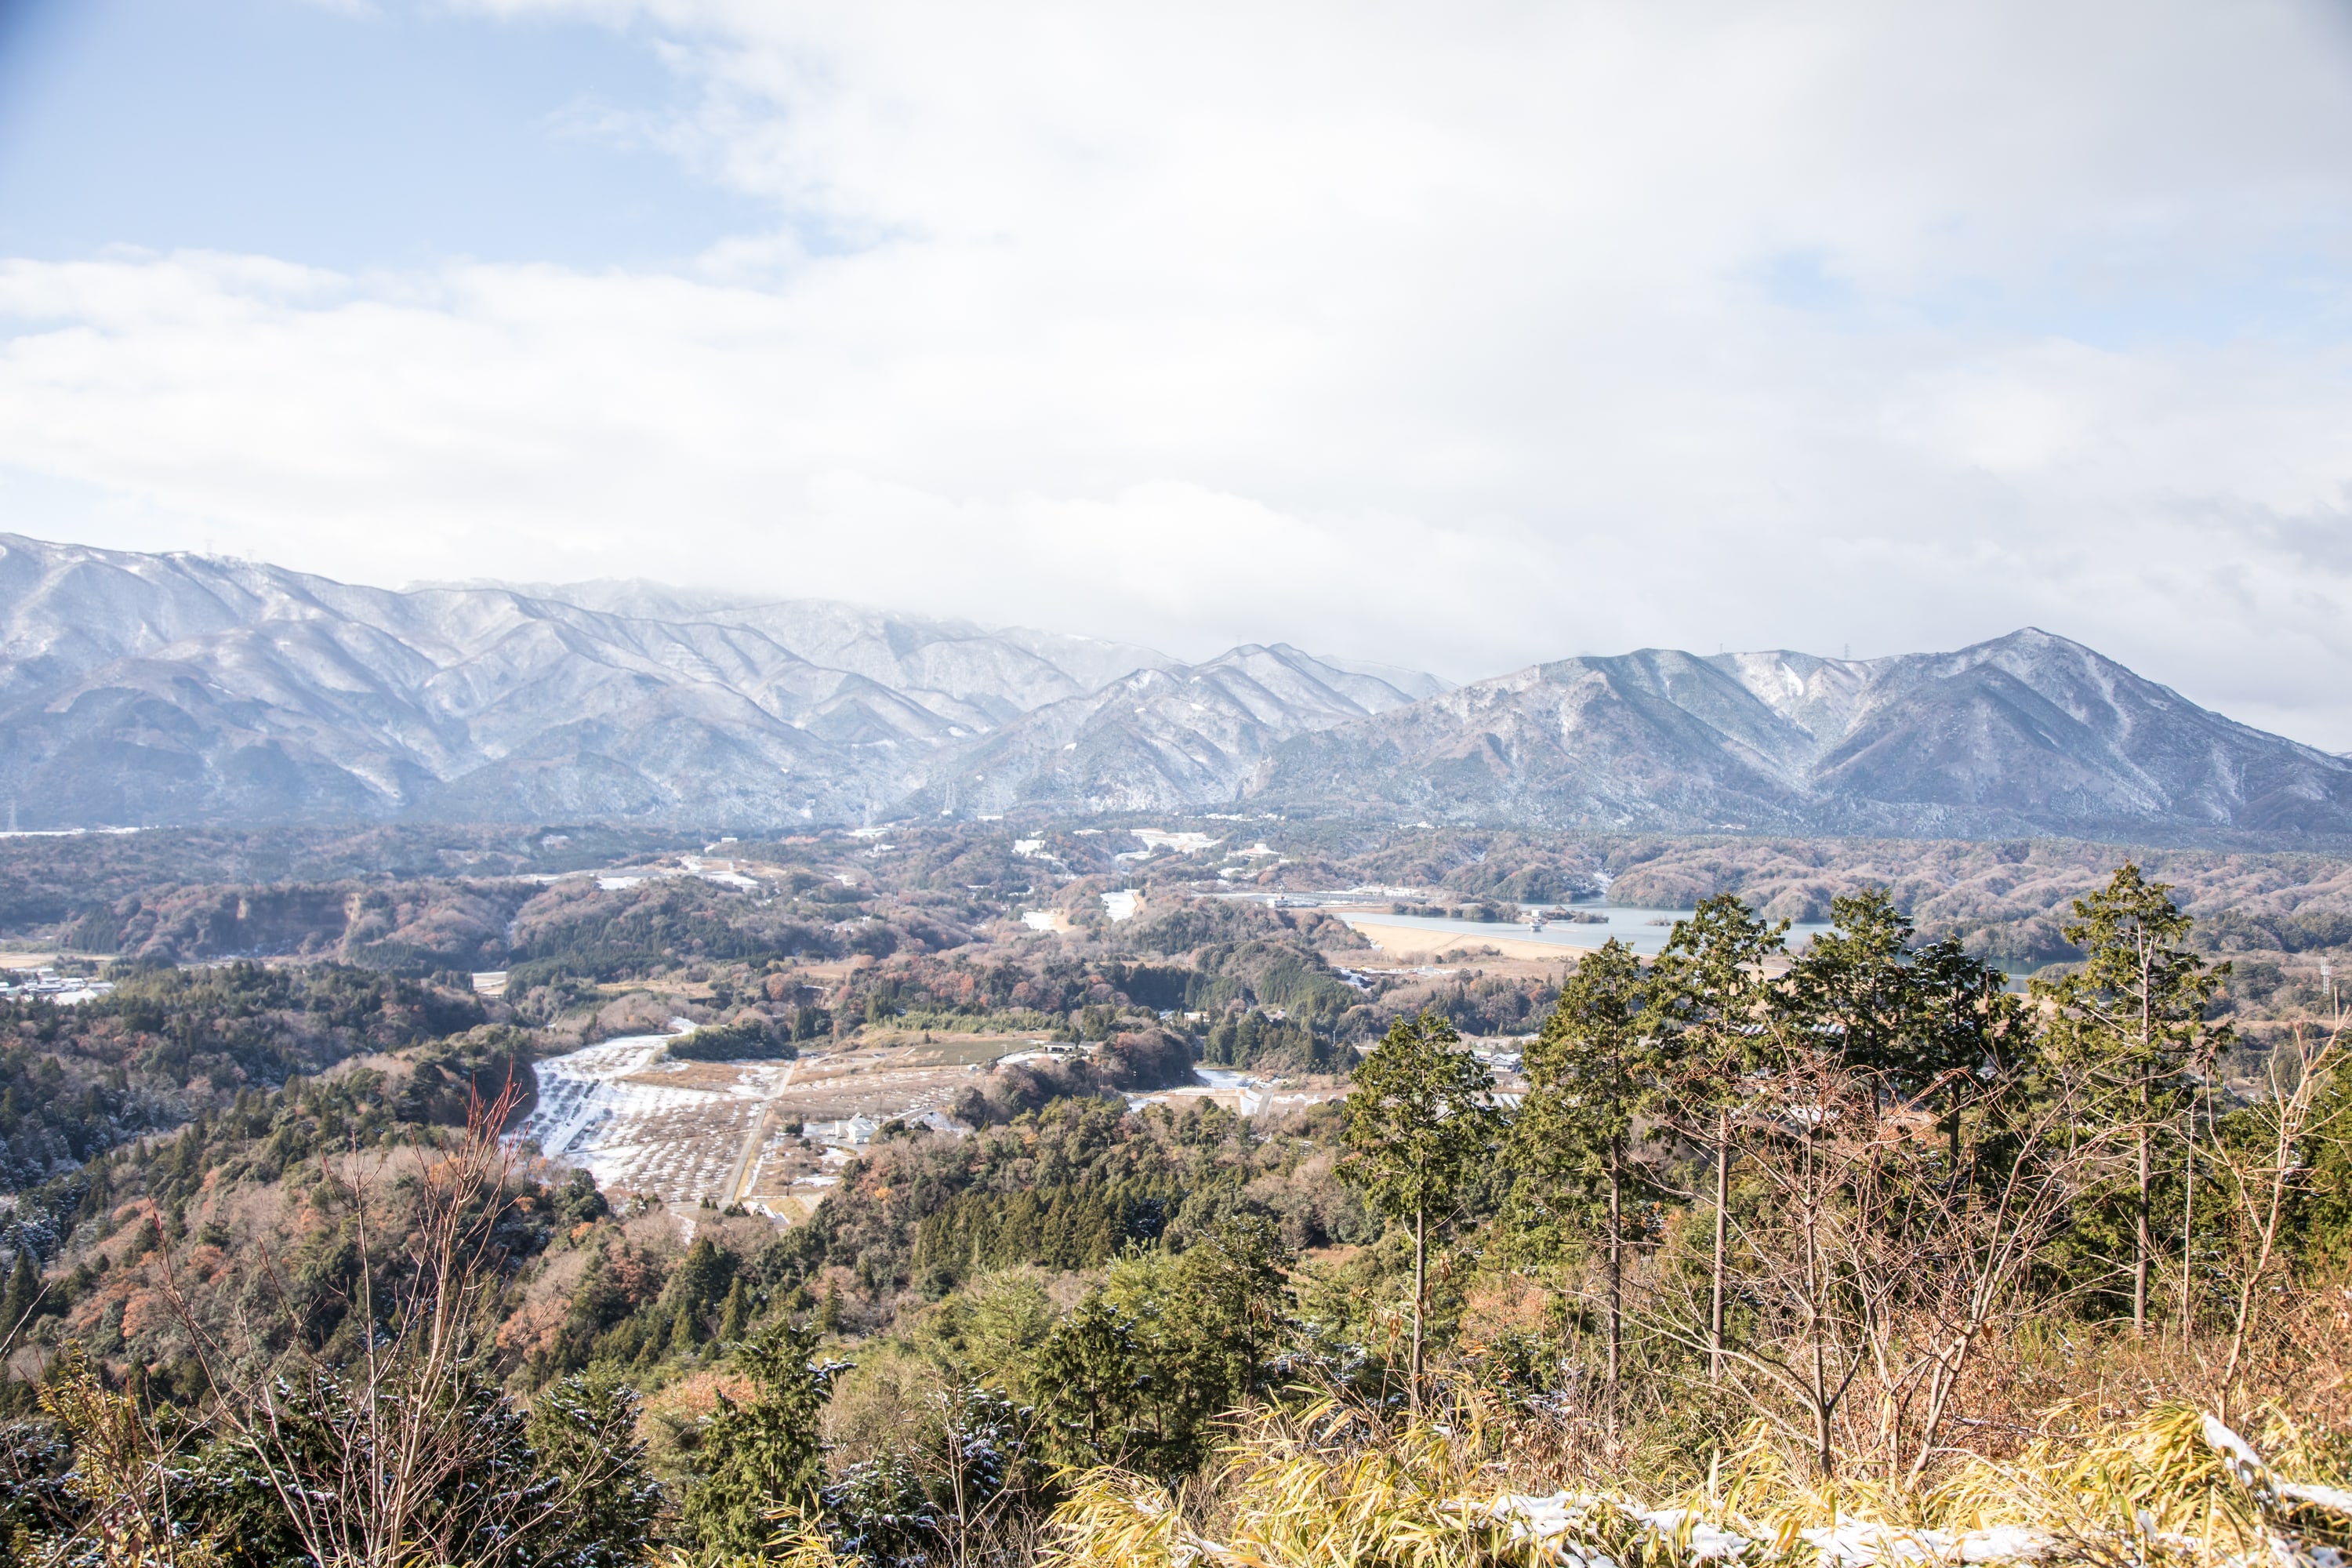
(843, 1094)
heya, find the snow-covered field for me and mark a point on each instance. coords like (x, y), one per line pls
(641, 1124)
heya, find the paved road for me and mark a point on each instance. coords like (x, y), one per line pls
(749, 1159)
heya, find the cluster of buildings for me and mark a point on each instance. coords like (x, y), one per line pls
(64, 990)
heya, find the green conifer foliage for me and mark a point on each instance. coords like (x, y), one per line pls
(1091, 1380)
(1922, 1017)
(584, 1431)
(1589, 1073)
(24, 1291)
(1418, 1129)
(1711, 999)
(761, 1455)
(2133, 1018)
(735, 1314)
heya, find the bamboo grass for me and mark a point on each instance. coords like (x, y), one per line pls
(1331, 1488)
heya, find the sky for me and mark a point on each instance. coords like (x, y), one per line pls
(1458, 336)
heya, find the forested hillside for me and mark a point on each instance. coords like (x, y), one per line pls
(1856, 1219)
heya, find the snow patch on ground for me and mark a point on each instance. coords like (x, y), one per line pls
(604, 1109)
(1565, 1522)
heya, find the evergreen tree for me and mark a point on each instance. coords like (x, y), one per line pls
(1089, 1380)
(1915, 1015)
(1854, 984)
(735, 1314)
(2133, 1018)
(1418, 1128)
(764, 1455)
(702, 1274)
(1973, 1024)
(1710, 1002)
(1588, 1073)
(2322, 1213)
(584, 1431)
(24, 1291)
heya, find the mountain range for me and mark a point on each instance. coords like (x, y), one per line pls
(2025, 734)
(153, 688)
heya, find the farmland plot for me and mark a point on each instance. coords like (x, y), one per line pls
(732, 1131)
(639, 1123)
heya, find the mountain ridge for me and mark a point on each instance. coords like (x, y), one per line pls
(2024, 733)
(177, 688)
(174, 688)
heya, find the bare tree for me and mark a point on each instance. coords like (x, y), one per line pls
(369, 1460)
(983, 1440)
(2262, 1175)
(1867, 1258)
(1955, 1245)
(1802, 1346)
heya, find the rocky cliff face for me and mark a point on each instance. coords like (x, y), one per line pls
(2027, 734)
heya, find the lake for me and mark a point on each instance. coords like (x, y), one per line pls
(1643, 930)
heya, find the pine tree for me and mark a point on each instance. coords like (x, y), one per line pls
(1418, 1126)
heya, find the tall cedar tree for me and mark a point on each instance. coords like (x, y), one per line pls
(584, 1430)
(1710, 1005)
(1973, 1023)
(1589, 1072)
(762, 1456)
(1141, 1372)
(24, 1291)
(1924, 1016)
(1090, 1378)
(1418, 1129)
(2133, 1018)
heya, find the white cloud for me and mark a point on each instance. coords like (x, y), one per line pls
(1464, 336)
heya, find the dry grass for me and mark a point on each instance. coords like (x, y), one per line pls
(1335, 1487)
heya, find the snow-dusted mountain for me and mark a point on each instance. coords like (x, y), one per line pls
(1004, 671)
(1163, 739)
(2027, 733)
(178, 688)
(155, 689)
